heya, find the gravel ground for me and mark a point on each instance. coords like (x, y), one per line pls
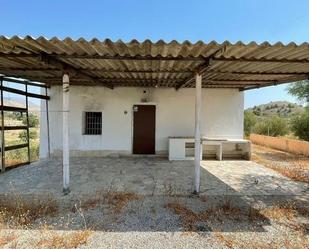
(119, 221)
(242, 205)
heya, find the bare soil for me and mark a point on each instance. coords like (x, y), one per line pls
(295, 167)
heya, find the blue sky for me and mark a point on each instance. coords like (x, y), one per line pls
(245, 20)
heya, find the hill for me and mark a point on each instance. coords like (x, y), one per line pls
(278, 108)
(20, 102)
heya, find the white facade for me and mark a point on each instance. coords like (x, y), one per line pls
(222, 117)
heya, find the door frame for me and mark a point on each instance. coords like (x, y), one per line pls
(132, 122)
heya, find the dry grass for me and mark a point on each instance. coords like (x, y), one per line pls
(226, 211)
(231, 241)
(228, 241)
(189, 219)
(90, 203)
(6, 240)
(65, 241)
(18, 211)
(295, 167)
(118, 200)
(279, 212)
(300, 242)
(304, 211)
(187, 216)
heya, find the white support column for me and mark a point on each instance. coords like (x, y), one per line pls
(198, 147)
(65, 138)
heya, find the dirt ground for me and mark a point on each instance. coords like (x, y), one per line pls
(293, 166)
(124, 219)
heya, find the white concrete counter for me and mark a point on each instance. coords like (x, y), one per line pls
(180, 147)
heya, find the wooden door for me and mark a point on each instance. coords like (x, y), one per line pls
(144, 127)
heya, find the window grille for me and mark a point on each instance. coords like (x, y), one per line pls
(93, 123)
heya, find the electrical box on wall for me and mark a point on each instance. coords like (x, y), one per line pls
(146, 96)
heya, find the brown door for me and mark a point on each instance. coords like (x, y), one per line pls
(144, 126)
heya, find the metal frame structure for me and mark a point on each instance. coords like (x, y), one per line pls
(147, 64)
(154, 64)
(4, 108)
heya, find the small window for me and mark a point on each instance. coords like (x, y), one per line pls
(93, 123)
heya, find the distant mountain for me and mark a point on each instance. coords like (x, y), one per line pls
(280, 108)
(20, 102)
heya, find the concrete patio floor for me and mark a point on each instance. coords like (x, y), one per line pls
(150, 176)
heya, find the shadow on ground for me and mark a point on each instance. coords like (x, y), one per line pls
(145, 195)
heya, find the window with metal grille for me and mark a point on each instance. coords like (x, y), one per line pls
(93, 123)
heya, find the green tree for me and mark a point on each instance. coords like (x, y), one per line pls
(272, 126)
(33, 134)
(249, 122)
(33, 120)
(300, 90)
(257, 111)
(290, 105)
(300, 126)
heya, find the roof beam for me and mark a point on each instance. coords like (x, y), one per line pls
(47, 60)
(154, 81)
(254, 73)
(235, 86)
(103, 70)
(278, 82)
(221, 81)
(263, 60)
(150, 58)
(150, 80)
(107, 57)
(200, 69)
(224, 81)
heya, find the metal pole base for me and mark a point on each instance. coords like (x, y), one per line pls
(195, 193)
(66, 191)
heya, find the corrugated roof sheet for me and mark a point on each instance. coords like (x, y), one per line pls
(147, 63)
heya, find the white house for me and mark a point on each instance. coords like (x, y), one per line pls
(112, 130)
(122, 98)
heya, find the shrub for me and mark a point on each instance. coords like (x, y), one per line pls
(249, 122)
(300, 126)
(15, 115)
(257, 111)
(21, 155)
(272, 126)
(33, 134)
(33, 120)
(290, 105)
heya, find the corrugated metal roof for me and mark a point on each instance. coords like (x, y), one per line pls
(147, 63)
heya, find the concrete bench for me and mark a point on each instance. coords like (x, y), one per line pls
(217, 144)
(178, 147)
(241, 145)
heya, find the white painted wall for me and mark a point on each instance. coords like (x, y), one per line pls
(222, 116)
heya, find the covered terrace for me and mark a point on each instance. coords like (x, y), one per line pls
(149, 64)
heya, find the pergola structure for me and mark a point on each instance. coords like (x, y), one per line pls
(148, 64)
